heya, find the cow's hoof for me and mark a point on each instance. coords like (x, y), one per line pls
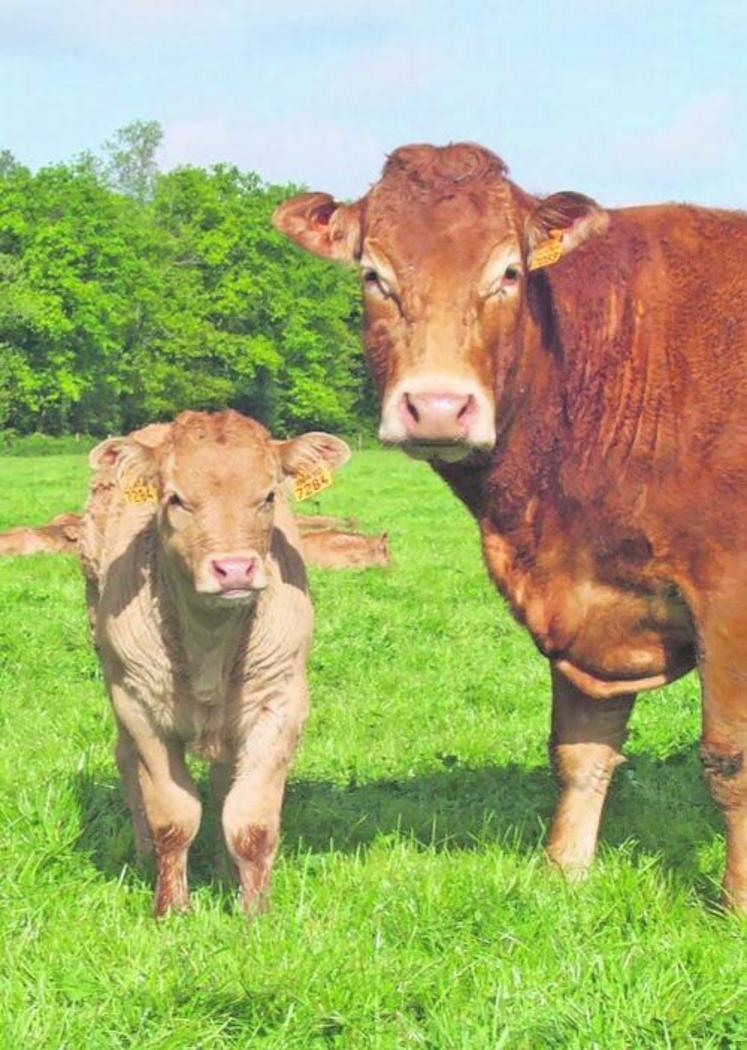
(572, 867)
(734, 897)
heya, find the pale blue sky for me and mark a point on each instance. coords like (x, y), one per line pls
(629, 101)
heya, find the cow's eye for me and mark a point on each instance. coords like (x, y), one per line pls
(374, 280)
(175, 500)
(269, 499)
(508, 279)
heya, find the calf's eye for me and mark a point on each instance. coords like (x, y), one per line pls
(511, 275)
(175, 500)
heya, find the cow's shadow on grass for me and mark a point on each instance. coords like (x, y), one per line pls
(656, 806)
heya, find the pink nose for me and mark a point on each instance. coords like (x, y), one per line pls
(234, 573)
(437, 417)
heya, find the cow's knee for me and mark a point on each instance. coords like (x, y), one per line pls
(253, 847)
(171, 842)
(725, 772)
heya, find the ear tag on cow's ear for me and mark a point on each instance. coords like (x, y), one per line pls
(140, 492)
(548, 252)
(310, 482)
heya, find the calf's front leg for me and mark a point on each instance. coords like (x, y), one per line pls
(158, 784)
(585, 748)
(251, 812)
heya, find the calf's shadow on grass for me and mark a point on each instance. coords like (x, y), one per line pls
(656, 806)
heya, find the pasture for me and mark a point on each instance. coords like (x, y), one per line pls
(411, 904)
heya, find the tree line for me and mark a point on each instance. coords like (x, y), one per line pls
(127, 294)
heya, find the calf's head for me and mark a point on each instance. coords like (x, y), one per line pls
(445, 243)
(215, 478)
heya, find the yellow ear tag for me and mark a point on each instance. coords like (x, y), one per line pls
(140, 492)
(548, 252)
(309, 483)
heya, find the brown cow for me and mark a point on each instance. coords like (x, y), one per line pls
(579, 378)
(336, 549)
(58, 536)
(320, 522)
(203, 624)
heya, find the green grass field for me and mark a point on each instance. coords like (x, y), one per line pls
(411, 903)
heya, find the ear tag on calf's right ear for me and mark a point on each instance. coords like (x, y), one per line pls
(548, 252)
(308, 483)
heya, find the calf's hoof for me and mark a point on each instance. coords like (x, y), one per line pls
(165, 904)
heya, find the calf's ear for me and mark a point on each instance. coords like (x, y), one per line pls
(126, 456)
(303, 453)
(323, 227)
(558, 224)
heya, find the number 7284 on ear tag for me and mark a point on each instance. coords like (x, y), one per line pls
(310, 482)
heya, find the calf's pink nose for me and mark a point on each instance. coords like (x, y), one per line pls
(437, 416)
(234, 573)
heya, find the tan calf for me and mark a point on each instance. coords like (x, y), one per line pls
(58, 536)
(335, 549)
(203, 624)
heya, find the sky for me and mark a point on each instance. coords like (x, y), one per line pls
(630, 101)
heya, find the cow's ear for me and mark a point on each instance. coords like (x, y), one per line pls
(126, 456)
(304, 453)
(559, 224)
(322, 226)
(152, 436)
(106, 453)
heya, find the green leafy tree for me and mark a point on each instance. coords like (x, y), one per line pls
(127, 299)
(131, 155)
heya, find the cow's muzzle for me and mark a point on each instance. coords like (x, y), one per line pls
(232, 576)
(438, 422)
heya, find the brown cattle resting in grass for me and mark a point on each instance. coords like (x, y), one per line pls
(326, 541)
(579, 378)
(334, 549)
(319, 522)
(58, 536)
(202, 623)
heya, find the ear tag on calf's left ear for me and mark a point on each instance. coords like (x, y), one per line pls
(308, 483)
(140, 492)
(548, 252)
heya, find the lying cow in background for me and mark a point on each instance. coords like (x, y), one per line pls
(58, 536)
(203, 624)
(327, 543)
(333, 549)
(579, 378)
(318, 522)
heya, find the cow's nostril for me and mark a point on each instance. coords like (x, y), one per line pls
(411, 409)
(234, 572)
(466, 407)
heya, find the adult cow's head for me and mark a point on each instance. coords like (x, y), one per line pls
(215, 477)
(444, 242)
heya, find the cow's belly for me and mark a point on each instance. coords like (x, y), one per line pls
(607, 640)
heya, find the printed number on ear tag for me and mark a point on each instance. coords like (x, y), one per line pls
(310, 482)
(140, 492)
(548, 252)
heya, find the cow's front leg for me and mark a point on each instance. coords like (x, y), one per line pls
(585, 747)
(251, 813)
(723, 750)
(168, 796)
